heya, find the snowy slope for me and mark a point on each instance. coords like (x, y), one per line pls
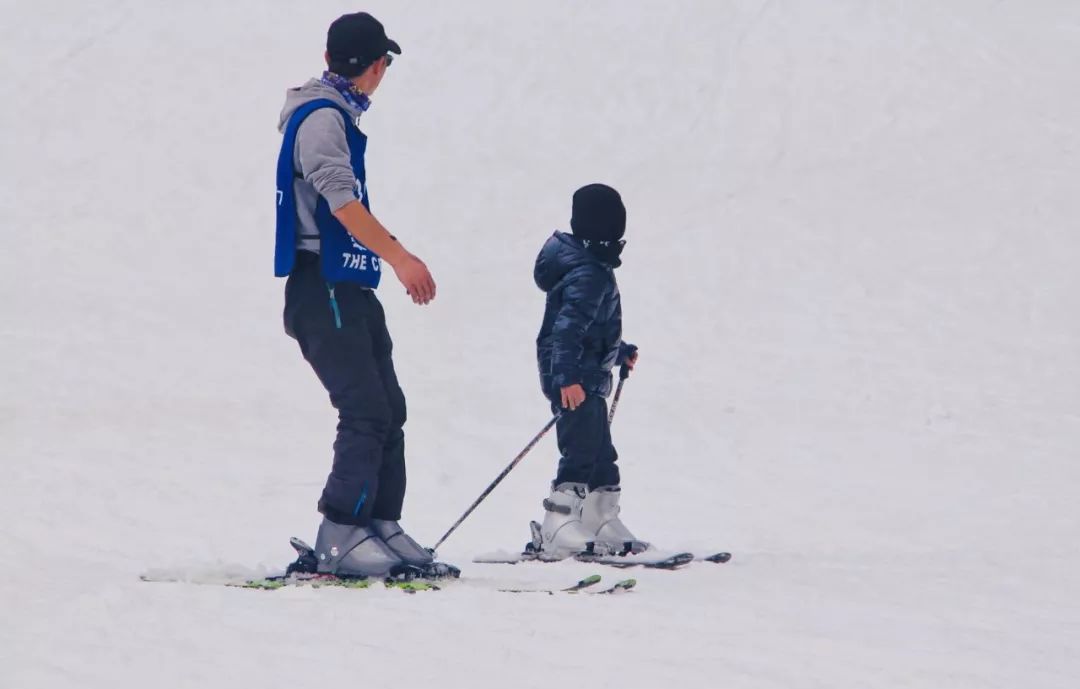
(852, 271)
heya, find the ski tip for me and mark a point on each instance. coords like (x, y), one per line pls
(585, 583)
(673, 562)
(620, 587)
(412, 586)
(719, 558)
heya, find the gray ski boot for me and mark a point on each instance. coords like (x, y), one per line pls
(600, 519)
(354, 551)
(562, 534)
(401, 543)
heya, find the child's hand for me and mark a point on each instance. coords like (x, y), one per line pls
(632, 360)
(573, 396)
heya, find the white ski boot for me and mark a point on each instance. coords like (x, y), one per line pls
(600, 519)
(562, 533)
(401, 543)
(354, 551)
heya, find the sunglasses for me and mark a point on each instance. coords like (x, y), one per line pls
(604, 242)
(389, 59)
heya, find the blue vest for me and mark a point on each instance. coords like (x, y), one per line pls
(343, 258)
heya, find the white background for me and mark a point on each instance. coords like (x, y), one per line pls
(852, 272)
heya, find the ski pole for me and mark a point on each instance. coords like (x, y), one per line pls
(624, 373)
(498, 479)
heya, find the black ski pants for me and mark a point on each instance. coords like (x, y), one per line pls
(587, 455)
(342, 333)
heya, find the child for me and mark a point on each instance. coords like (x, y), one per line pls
(580, 341)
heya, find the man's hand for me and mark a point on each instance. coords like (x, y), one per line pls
(367, 230)
(573, 396)
(631, 361)
(414, 274)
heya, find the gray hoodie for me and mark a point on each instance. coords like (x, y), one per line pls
(321, 157)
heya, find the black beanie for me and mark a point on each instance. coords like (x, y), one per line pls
(598, 214)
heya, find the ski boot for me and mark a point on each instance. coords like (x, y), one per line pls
(562, 534)
(355, 551)
(600, 519)
(411, 553)
(401, 543)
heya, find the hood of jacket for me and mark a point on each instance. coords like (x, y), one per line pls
(314, 89)
(559, 255)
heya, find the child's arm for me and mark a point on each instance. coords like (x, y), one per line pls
(582, 297)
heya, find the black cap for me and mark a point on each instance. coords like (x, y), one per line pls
(598, 213)
(355, 41)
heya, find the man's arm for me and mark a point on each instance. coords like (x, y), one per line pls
(322, 155)
(367, 230)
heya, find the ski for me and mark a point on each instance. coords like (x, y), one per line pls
(502, 557)
(619, 587)
(632, 554)
(331, 581)
(304, 572)
(582, 586)
(585, 583)
(639, 560)
(312, 580)
(647, 560)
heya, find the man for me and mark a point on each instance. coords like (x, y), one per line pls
(333, 251)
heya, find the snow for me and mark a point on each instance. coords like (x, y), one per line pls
(851, 271)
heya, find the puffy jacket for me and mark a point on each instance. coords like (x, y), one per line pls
(580, 340)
